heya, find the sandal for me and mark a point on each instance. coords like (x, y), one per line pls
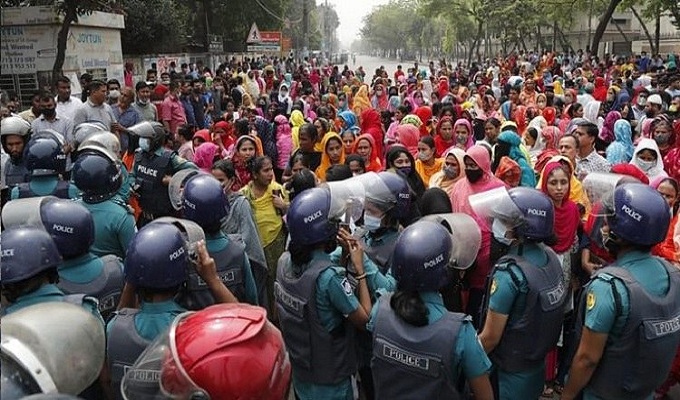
(548, 392)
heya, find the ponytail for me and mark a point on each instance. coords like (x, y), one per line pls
(409, 306)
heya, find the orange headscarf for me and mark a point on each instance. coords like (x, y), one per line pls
(374, 164)
(325, 158)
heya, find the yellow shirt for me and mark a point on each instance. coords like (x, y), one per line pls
(426, 171)
(269, 222)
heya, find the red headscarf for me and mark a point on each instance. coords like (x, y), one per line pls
(567, 216)
(425, 115)
(440, 144)
(370, 124)
(409, 136)
(372, 165)
(600, 92)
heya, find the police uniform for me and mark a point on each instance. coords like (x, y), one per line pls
(98, 277)
(520, 363)
(15, 173)
(51, 292)
(607, 309)
(379, 248)
(233, 268)
(130, 331)
(45, 186)
(403, 361)
(312, 313)
(148, 172)
(114, 227)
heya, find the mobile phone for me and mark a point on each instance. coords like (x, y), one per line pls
(345, 226)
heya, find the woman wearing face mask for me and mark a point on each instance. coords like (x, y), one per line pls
(452, 170)
(478, 179)
(647, 157)
(380, 101)
(240, 219)
(462, 131)
(427, 164)
(662, 133)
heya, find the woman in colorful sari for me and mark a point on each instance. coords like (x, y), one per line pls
(452, 171)
(365, 147)
(333, 154)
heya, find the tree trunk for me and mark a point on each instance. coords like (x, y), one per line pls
(602, 25)
(623, 34)
(657, 31)
(644, 29)
(70, 17)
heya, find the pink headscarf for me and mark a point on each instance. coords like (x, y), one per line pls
(408, 135)
(471, 136)
(205, 154)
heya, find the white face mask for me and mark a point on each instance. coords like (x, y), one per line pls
(145, 144)
(500, 230)
(646, 165)
(372, 223)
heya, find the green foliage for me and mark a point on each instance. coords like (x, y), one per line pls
(154, 26)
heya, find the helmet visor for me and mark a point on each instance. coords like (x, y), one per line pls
(191, 230)
(599, 187)
(377, 192)
(142, 129)
(347, 199)
(158, 373)
(176, 186)
(24, 212)
(466, 237)
(496, 204)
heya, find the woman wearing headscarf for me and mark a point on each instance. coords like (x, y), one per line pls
(576, 192)
(452, 170)
(444, 135)
(546, 140)
(369, 155)
(600, 91)
(427, 163)
(408, 136)
(464, 134)
(425, 115)
(371, 124)
(508, 144)
(607, 132)
(296, 121)
(361, 101)
(380, 100)
(333, 154)
(207, 154)
(647, 157)
(620, 151)
(591, 112)
(349, 122)
(266, 131)
(478, 179)
(671, 160)
(245, 149)
(400, 161)
(509, 172)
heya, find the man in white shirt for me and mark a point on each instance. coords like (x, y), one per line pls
(66, 104)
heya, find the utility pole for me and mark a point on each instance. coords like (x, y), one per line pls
(305, 29)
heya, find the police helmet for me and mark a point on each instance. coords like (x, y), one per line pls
(25, 253)
(308, 217)
(421, 257)
(538, 213)
(158, 257)
(640, 214)
(44, 155)
(14, 126)
(106, 140)
(97, 176)
(84, 130)
(204, 201)
(150, 130)
(71, 226)
(391, 193)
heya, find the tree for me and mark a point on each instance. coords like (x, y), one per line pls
(154, 26)
(602, 24)
(70, 11)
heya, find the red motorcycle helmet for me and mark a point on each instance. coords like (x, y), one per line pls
(226, 351)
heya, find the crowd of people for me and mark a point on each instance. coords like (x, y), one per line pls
(503, 230)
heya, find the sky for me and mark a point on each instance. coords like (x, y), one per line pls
(351, 14)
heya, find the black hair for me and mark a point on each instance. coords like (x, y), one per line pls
(355, 157)
(225, 166)
(448, 107)
(404, 109)
(324, 123)
(94, 85)
(185, 131)
(141, 85)
(493, 121)
(573, 109)
(338, 172)
(409, 306)
(533, 132)
(256, 164)
(63, 79)
(428, 140)
(299, 182)
(241, 126)
(309, 130)
(576, 140)
(113, 82)
(435, 201)
(591, 129)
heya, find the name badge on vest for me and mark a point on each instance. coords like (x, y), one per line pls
(657, 329)
(418, 362)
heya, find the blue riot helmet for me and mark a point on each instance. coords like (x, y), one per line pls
(97, 175)
(390, 192)
(308, 217)
(538, 213)
(26, 252)
(44, 155)
(205, 202)
(71, 226)
(158, 257)
(638, 214)
(421, 257)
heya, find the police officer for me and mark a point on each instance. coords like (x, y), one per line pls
(107, 140)
(14, 134)
(229, 351)
(412, 324)
(72, 228)
(29, 271)
(315, 301)
(156, 268)
(45, 161)
(526, 296)
(628, 315)
(97, 174)
(205, 203)
(83, 131)
(152, 170)
(388, 199)
(41, 352)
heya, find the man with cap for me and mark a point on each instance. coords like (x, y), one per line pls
(654, 106)
(14, 134)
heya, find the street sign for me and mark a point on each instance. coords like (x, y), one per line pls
(254, 34)
(263, 48)
(216, 45)
(270, 37)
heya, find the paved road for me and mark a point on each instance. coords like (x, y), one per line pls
(370, 64)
